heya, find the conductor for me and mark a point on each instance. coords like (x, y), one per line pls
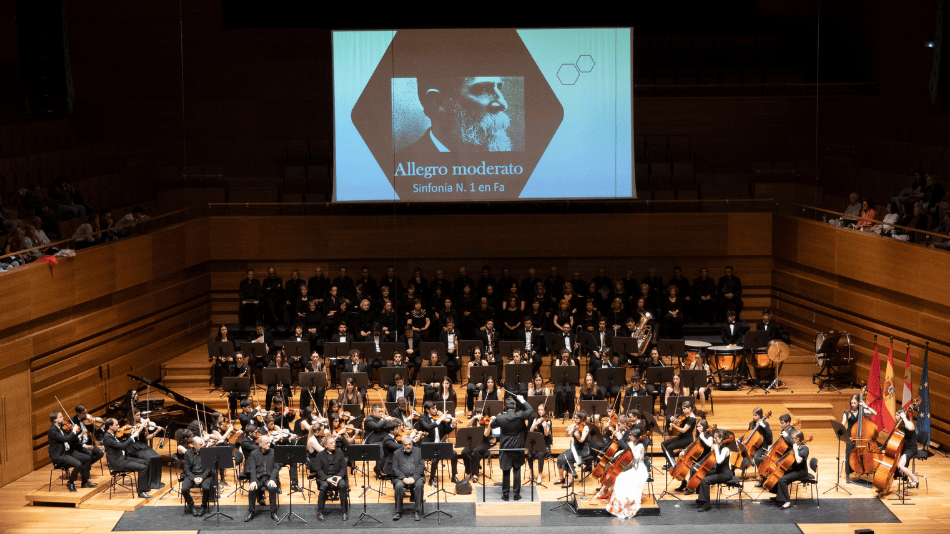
(512, 429)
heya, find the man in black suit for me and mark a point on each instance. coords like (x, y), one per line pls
(409, 470)
(330, 466)
(119, 460)
(272, 290)
(196, 473)
(64, 449)
(263, 471)
(341, 336)
(249, 295)
(374, 424)
(729, 293)
(400, 390)
(768, 325)
(732, 331)
(528, 284)
(512, 425)
(533, 345)
(601, 339)
(318, 287)
(450, 338)
(345, 287)
(86, 429)
(704, 294)
(438, 428)
(292, 295)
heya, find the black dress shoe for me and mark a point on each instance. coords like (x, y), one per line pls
(517, 496)
(504, 497)
(189, 509)
(346, 516)
(88, 484)
(261, 501)
(71, 486)
(273, 515)
(417, 516)
(689, 492)
(200, 511)
(705, 508)
(397, 516)
(160, 485)
(295, 488)
(143, 495)
(321, 517)
(250, 515)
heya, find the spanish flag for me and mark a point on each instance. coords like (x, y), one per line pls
(890, 399)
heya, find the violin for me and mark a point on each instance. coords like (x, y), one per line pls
(486, 420)
(677, 423)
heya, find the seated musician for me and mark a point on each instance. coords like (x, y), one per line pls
(606, 361)
(330, 466)
(239, 368)
(590, 390)
(265, 337)
(798, 471)
(429, 389)
(249, 414)
(318, 394)
(541, 422)
(220, 365)
(403, 412)
(634, 389)
(118, 458)
(774, 330)
(720, 473)
(732, 330)
(390, 445)
(533, 345)
(702, 393)
(654, 360)
(636, 422)
(340, 335)
(141, 448)
(350, 394)
(785, 422)
(602, 339)
(400, 361)
(685, 426)
(64, 449)
(315, 435)
(478, 359)
(374, 424)
(849, 419)
(400, 390)
(86, 424)
(263, 470)
(564, 393)
(536, 387)
(675, 389)
(910, 449)
(438, 426)
(450, 338)
(356, 365)
(489, 337)
(296, 361)
(219, 434)
(196, 473)
(490, 391)
(409, 472)
(577, 452)
(759, 454)
(283, 416)
(472, 457)
(705, 437)
(512, 387)
(280, 361)
(375, 360)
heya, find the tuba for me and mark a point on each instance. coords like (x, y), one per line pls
(643, 334)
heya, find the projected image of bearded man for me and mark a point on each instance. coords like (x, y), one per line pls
(467, 115)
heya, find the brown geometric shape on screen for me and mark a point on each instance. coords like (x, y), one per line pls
(447, 53)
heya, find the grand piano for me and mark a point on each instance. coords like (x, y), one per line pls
(178, 414)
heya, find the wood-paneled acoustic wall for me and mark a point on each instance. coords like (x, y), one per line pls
(77, 328)
(832, 278)
(581, 242)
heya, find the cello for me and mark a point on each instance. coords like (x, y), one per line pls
(782, 465)
(708, 464)
(893, 447)
(752, 440)
(866, 452)
(778, 449)
(689, 456)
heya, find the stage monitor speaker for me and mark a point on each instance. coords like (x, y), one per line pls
(43, 38)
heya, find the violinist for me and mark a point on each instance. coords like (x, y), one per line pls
(798, 471)
(472, 458)
(785, 422)
(318, 395)
(239, 368)
(280, 435)
(759, 454)
(283, 417)
(374, 425)
(564, 394)
(86, 429)
(342, 433)
(404, 413)
(249, 414)
(119, 460)
(438, 426)
(685, 425)
(280, 360)
(850, 418)
(579, 450)
(315, 436)
(196, 473)
(705, 437)
(512, 386)
(141, 449)
(64, 449)
(219, 434)
(400, 390)
(541, 422)
(720, 473)
(910, 449)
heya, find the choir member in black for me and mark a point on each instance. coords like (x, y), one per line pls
(220, 367)
(617, 314)
(365, 319)
(400, 390)
(263, 470)
(704, 293)
(650, 301)
(576, 300)
(249, 298)
(407, 301)
(301, 306)
(654, 360)
(705, 437)
(511, 317)
(481, 315)
(392, 282)
(534, 350)
(577, 452)
(564, 317)
(601, 339)
(86, 424)
(673, 311)
(418, 320)
(332, 305)
(799, 470)
(330, 467)
(718, 474)
(443, 311)
(512, 386)
(388, 322)
(729, 293)
(472, 457)
(541, 423)
(554, 284)
(477, 359)
(685, 426)
(564, 393)
(529, 283)
(196, 472)
(450, 338)
(539, 318)
(65, 449)
(590, 390)
(345, 285)
(141, 449)
(314, 324)
(281, 389)
(512, 429)
(272, 289)
(119, 459)
(319, 287)
(409, 472)
(758, 419)
(589, 318)
(438, 426)
(318, 394)
(785, 422)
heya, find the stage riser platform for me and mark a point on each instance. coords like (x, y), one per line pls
(596, 508)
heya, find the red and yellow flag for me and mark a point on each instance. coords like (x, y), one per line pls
(907, 397)
(890, 397)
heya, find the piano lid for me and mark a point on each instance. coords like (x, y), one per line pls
(190, 405)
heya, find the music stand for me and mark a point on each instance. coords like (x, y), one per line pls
(361, 380)
(693, 379)
(547, 400)
(222, 458)
(623, 345)
(355, 410)
(566, 374)
(586, 341)
(434, 452)
(594, 407)
(311, 381)
(277, 376)
(494, 407)
(828, 372)
(426, 347)
(433, 373)
(300, 349)
(253, 352)
(505, 347)
(675, 403)
(535, 444)
(218, 349)
(387, 349)
(391, 407)
(673, 347)
(387, 375)
(480, 373)
(448, 407)
(644, 404)
(659, 375)
(336, 350)
(518, 372)
(612, 376)
(466, 346)
(841, 432)
(754, 339)
(365, 453)
(295, 455)
(236, 384)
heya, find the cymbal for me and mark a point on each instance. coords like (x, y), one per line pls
(779, 351)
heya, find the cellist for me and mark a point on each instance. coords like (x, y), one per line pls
(798, 471)
(784, 421)
(850, 418)
(720, 473)
(674, 444)
(759, 454)
(705, 437)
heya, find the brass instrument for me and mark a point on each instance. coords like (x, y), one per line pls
(643, 333)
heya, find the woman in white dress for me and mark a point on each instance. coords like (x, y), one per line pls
(628, 489)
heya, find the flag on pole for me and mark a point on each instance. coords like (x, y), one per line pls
(890, 401)
(923, 413)
(907, 397)
(875, 398)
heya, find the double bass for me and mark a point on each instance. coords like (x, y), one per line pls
(752, 440)
(893, 447)
(866, 453)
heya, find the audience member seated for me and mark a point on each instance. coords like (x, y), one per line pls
(66, 199)
(868, 215)
(86, 235)
(886, 228)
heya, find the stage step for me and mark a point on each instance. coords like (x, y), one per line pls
(815, 408)
(813, 422)
(185, 381)
(58, 494)
(122, 501)
(592, 507)
(493, 506)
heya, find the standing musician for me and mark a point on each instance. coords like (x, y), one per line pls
(64, 449)
(400, 390)
(685, 426)
(759, 454)
(798, 471)
(263, 470)
(141, 449)
(541, 422)
(720, 473)
(409, 470)
(577, 452)
(86, 424)
(239, 368)
(438, 426)
(706, 438)
(512, 425)
(330, 466)
(319, 394)
(785, 422)
(196, 473)
(119, 460)
(850, 418)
